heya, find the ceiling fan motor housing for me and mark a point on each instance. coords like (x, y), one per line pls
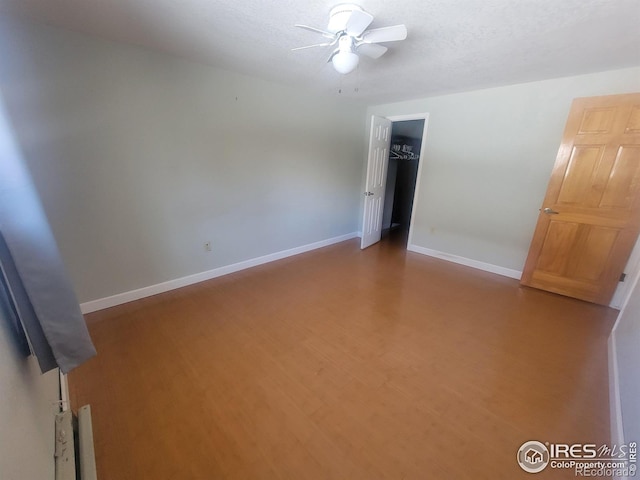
(339, 16)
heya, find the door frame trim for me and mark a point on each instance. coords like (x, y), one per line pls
(632, 269)
(403, 118)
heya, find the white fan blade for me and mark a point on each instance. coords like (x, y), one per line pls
(358, 22)
(385, 34)
(312, 46)
(371, 50)
(317, 30)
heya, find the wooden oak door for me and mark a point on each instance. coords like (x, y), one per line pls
(590, 217)
(379, 143)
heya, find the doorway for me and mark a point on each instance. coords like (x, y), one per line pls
(402, 176)
(376, 177)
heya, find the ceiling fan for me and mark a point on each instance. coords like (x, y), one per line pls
(348, 29)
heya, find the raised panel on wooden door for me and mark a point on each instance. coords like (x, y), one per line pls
(633, 125)
(582, 169)
(597, 120)
(595, 250)
(558, 243)
(624, 179)
(578, 252)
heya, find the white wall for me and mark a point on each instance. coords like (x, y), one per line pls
(140, 158)
(626, 340)
(487, 161)
(27, 411)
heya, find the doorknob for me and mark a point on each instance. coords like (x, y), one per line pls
(550, 211)
(368, 194)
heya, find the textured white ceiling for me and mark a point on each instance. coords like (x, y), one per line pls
(453, 45)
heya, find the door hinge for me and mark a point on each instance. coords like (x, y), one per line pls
(622, 277)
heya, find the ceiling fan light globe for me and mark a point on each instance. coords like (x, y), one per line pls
(345, 62)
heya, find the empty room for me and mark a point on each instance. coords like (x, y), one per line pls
(319, 240)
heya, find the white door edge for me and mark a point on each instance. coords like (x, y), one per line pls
(376, 179)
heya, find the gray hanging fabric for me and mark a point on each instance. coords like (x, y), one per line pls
(33, 276)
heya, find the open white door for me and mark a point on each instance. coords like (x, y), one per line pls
(377, 163)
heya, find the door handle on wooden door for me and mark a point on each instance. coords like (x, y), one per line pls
(550, 211)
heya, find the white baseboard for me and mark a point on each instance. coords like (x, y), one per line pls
(617, 433)
(139, 293)
(487, 267)
(615, 407)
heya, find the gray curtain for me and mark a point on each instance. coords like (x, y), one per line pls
(45, 304)
(34, 286)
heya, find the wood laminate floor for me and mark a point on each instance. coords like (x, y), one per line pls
(344, 364)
